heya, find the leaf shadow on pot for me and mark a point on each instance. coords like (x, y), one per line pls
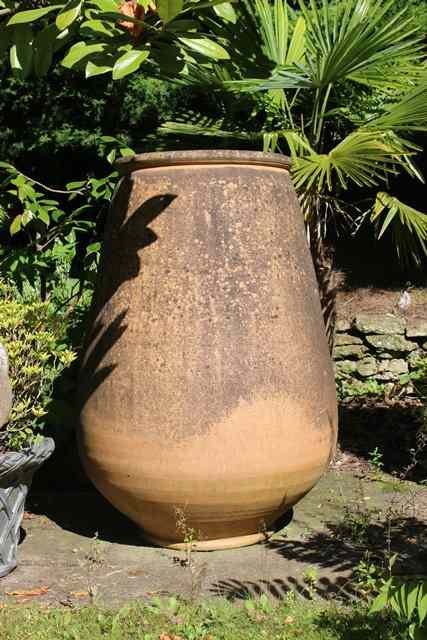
(87, 511)
(120, 262)
(123, 241)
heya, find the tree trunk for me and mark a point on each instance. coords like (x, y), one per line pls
(323, 265)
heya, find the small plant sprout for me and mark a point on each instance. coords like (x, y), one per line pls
(196, 569)
(311, 578)
(376, 461)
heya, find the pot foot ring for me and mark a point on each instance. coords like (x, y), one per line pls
(212, 545)
(5, 569)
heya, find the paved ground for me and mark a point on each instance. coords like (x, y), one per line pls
(75, 546)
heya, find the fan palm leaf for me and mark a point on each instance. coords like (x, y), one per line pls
(408, 226)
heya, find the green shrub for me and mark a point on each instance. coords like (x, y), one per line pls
(35, 336)
(408, 602)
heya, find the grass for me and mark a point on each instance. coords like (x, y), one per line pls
(170, 619)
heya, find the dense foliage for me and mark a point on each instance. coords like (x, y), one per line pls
(105, 36)
(60, 142)
(342, 88)
(36, 338)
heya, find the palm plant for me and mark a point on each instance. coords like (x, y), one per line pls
(341, 86)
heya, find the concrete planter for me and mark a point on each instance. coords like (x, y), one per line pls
(207, 389)
(16, 473)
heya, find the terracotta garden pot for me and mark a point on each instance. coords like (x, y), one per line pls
(207, 388)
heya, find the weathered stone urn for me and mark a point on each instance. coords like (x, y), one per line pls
(207, 389)
(17, 469)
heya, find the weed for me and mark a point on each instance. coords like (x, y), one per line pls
(259, 608)
(196, 569)
(311, 578)
(369, 575)
(376, 461)
(356, 523)
(92, 559)
(348, 388)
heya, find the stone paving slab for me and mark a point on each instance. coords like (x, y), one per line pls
(77, 548)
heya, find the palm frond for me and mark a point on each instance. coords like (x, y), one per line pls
(356, 37)
(361, 158)
(283, 42)
(409, 114)
(408, 226)
(292, 76)
(196, 124)
(354, 40)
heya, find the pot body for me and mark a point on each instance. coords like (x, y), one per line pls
(16, 473)
(208, 397)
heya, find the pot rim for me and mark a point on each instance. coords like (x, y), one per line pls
(157, 159)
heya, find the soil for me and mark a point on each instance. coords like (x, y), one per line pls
(378, 300)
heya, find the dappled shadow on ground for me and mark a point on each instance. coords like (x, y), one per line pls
(321, 549)
(328, 559)
(277, 588)
(393, 428)
(340, 546)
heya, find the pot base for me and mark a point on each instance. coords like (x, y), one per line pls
(213, 545)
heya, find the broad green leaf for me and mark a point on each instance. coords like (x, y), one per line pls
(111, 156)
(99, 26)
(169, 9)
(69, 14)
(8, 167)
(21, 52)
(43, 50)
(81, 50)
(422, 603)
(380, 601)
(78, 184)
(129, 62)
(126, 151)
(116, 16)
(26, 217)
(412, 597)
(16, 225)
(32, 14)
(226, 12)
(44, 216)
(206, 47)
(105, 5)
(93, 248)
(183, 26)
(96, 69)
(107, 139)
(206, 5)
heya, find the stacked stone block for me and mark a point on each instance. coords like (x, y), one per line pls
(379, 346)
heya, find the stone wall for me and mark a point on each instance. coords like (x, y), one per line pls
(373, 351)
